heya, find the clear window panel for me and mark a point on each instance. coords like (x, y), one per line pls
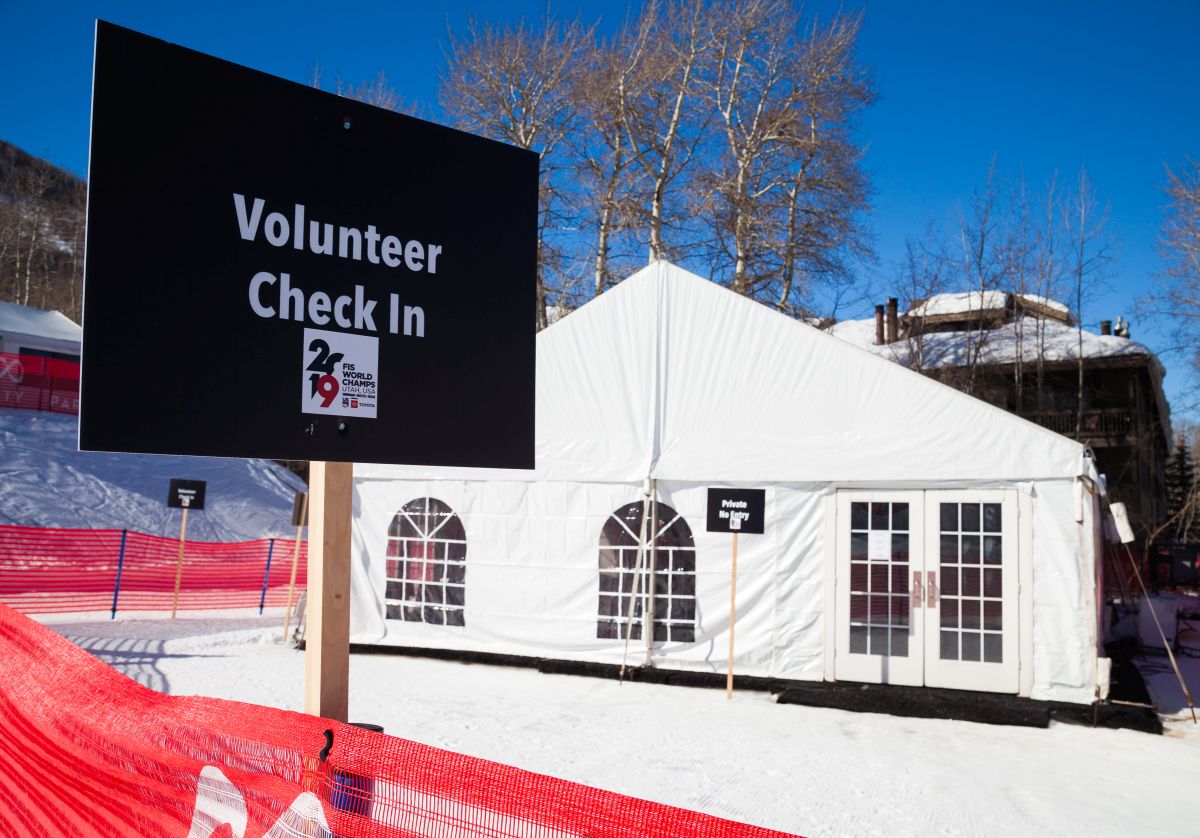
(858, 640)
(899, 643)
(949, 516)
(900, 517)
(971, 650)
(970, 581)
(879, 516)
(993, 549)
(899, 546)
(970, 549)
(949, 645)
(949, 581)
(899, 578)
(879, 578)
(949, 548)
(993, 648)
(858, 516)
(858, 576)
(991, 517)
(858, 547)
(879, 640)
(970, 517)
(993, 615)
(949, 609)
(993, 582)
(970, 613)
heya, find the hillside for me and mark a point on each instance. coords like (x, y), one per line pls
(46, 482)
(41, 233)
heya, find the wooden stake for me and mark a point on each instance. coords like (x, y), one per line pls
(732, 617)
(179, 563)
(327, 636)
(287, 615)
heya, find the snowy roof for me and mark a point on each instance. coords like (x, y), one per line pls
(1053, 340)
(38, 322)
(959, 303)
(1046, 302)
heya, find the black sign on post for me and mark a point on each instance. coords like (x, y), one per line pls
(186, 494)
(276, 271)
(300, 509)
(737, 510)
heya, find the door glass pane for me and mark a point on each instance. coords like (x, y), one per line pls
(972, 611)
(879, 574)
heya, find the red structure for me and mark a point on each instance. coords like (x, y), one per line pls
(91, 752)
(44, 570)
(34, 382)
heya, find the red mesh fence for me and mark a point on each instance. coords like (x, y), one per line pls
(88, 751)
(33, 382)
(44, 570)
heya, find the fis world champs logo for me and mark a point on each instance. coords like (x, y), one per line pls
(340, 375)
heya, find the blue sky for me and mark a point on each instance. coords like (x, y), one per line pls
(1040, 86)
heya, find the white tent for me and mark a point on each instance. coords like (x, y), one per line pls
(25, 330)
(913, 534)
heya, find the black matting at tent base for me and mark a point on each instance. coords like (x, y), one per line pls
(913, 702)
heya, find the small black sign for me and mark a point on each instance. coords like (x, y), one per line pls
(276, 271)
(186, 494)
(300, 509)
(737, 510)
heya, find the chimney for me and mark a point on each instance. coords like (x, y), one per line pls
(1106, 327)
(893, 324)
(878, 325)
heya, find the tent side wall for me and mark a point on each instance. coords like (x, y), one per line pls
(533, 587)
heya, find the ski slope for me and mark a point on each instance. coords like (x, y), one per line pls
(46, 482)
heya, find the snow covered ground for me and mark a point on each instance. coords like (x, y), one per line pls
(46, 482)
(811, 771)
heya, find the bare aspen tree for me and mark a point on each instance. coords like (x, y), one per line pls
(982, 265)
(753, 89)
(1090, 252)
(516, 84)
(1177, 291)
(603, 159)
(828, 196)
(922, 275)
(663, 120)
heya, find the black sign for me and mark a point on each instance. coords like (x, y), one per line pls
(275, 271)
(736, 510)
(300, 509)
(186, 494)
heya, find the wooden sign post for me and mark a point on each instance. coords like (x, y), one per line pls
(735, 511)
(183, 494)
(327, 635)
(299, 519)
(322, 341)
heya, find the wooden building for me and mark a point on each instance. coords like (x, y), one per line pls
(1022, 353)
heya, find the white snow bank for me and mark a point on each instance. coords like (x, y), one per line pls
(1053, 340)
(963, 302)
(812, 771)
(46, 482)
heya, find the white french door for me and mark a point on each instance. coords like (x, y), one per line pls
(926, 589)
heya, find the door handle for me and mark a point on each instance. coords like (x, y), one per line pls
(918, 593)
(933, 591)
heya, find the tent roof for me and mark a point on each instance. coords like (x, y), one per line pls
(671, 376)
(19, 320)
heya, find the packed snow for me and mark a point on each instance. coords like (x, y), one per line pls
(810, 771)
(1054, 341)
(46, 482)
(963, 302)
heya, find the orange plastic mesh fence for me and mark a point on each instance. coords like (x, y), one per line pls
(45, 570)
(88, 751)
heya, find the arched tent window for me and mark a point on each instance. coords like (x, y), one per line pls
(426, 564)
(667, 578)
